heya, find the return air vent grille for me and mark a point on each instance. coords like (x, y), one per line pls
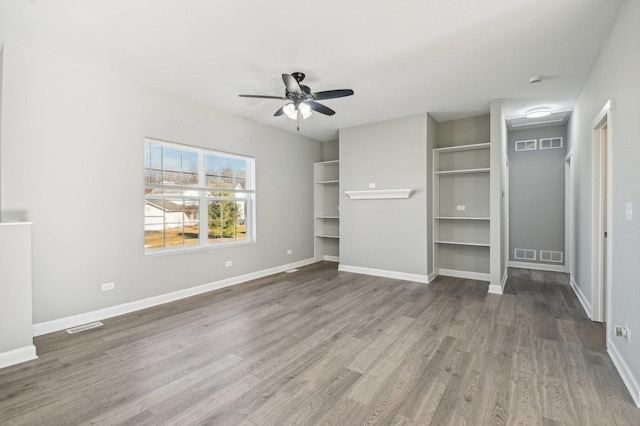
(524, 254)
(550, 143)
(527, 145)
(551, 256)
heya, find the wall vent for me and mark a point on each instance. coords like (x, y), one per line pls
(527, 145)
(550, 143)
(84, 327)
(524, 254)
(551, 256)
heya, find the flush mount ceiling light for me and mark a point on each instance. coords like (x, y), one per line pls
(538, 112)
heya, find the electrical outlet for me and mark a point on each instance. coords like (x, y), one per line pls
(372, 186)
(289, 251)
(622, 332)
(108, 286)
(228, 263)
(460, 208)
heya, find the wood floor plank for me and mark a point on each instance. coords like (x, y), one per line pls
(321, 346)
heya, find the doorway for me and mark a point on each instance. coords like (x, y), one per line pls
(601, 255)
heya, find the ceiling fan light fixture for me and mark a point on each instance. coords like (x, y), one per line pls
(290, 111)
(538, 112)
(305, 110)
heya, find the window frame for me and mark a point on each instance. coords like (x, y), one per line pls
(204, 196)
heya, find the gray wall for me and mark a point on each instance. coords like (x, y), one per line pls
(465, 131)
(388, 235)
(536, 193)
(72, 163)
(616, 76)
(330, 150)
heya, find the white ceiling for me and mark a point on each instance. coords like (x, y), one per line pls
(447, 57)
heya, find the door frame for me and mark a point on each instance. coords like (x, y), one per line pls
(568, 215)
(602, 120)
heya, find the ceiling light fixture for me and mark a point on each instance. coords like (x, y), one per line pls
(538, 113)
(292, 112)
(305, 110)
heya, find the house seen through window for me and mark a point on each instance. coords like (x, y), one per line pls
(196, 198)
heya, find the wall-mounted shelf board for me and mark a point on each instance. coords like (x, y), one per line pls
(379, 194)
(328, 181)
(463, 147)
(328, 236)
(461, 243)
(462, 171)
(327, 217)
(460, 218)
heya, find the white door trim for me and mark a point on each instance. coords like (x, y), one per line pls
(597, 301)
(568, 214)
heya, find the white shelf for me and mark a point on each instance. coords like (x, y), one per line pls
(462, 171)
(460, 218)
(463, 243)
(460, 176)
(463, 147)
(379, 194)
(326, 210)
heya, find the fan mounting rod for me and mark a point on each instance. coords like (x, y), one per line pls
(299, 76)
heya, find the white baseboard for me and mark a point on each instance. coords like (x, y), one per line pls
(481, 276)
(331, 258)
(499, 288)
(16, 356)
(432, 276)
(384, 273)
(536, 266)
(125, 308)
(625, 372)
(583, 300)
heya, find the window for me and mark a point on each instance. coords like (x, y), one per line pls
(196, 198)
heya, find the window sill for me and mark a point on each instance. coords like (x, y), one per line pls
(169, 251)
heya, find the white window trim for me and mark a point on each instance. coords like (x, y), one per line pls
(203, 199)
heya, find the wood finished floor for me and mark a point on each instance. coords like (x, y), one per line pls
(326, 347)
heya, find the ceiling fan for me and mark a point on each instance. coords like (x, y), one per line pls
(301, 100)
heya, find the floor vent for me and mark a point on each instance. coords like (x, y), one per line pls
(291, 271)
(84, 327)
(524, 254)
(551, 256)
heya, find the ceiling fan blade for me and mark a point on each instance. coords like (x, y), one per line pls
(292, 84)
(279, 112)
(332, 94)
(320, 108)
(263, 97)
